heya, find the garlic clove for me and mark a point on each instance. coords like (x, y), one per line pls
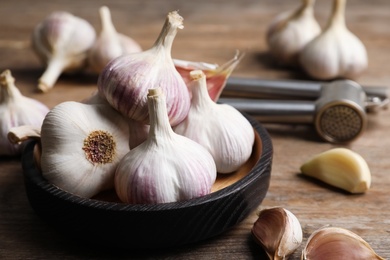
(336, 52)
(16, 110)
(216, 76)
(278, 231)
(125, 80)
(109, 44)
(341, 168)
(81, 146)
(337, 244)
(289, 32)
(220, 128)
(166, 167)
(62, 41)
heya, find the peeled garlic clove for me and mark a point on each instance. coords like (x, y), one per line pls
(341, 168)
(278, 231)
(289, 33)
(16, 110)
(216, 76)
(125, 80)
(62, 41)
(81, 146)
(220, 128)
(336, 52)
(109, 44)
(166, 167)
(337, 244)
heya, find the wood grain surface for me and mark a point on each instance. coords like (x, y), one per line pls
(213, 31)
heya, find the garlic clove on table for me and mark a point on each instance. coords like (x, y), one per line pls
(81, 146)
(62, 41)
(336, 52)
(167, 167)
(220, 128)
(16, 110)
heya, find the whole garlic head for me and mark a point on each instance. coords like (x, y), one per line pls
(336, 52)
(81, 146)
(62, 41)
(220, 128)
(290, 31)
(166, 167)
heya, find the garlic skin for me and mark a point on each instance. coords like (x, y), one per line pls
(16, 110)
(109, 44)
(166, 167)
(220, 128)
(336, 52)
(337, 244)
(61, 41)
(125, 80)
(289, 32)
(278, 231)
(341, 168)
(81, 146)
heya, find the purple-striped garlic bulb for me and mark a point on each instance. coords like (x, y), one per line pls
(125, 80)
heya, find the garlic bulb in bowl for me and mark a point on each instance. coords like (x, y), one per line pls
(81, 147)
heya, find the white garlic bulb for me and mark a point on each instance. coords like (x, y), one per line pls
(125, 80)
(290, 31)
(220, 128)
(16, 110)
(336, 52)
(81, 147)
(167, 167)
(109, 44)
(62, 41)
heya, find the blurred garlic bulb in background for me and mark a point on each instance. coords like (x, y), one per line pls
(62, 41)
(290, 31)
(109, 44)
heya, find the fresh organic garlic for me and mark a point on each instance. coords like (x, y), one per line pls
(290, 31)
(216, 76)
(126, 79)
(336, 52)
(16, 110)
(167, 167)
(337, 244)
(81, 147)
(278, 231)
(220, 128)
(341, 168)
(62, 41)
(110, 44)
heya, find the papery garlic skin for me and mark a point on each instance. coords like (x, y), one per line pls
(16, 110)
(76, 155)
(289, 32)
(125, 80)
(166, 167)
(62, 41)
(220, 128)
(109, 44)
(336, 52)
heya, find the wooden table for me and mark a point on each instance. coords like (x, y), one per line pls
(213, 31)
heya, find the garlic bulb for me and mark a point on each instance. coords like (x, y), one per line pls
(109, 44)
(337, 244)
(278, 231)
(16, 110)
(62, 41)
(166, 167)
(126, 79)
(336, 52)
(220, 128)
(290, 31)
(81, 147)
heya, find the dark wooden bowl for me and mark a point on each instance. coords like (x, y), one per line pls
(106, 222)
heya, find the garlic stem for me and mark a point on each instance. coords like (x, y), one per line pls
(105, 19)
(338, 14)
(19, 134)
(167, 35)
(159, 123)
(51, 74)
(8, 90)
